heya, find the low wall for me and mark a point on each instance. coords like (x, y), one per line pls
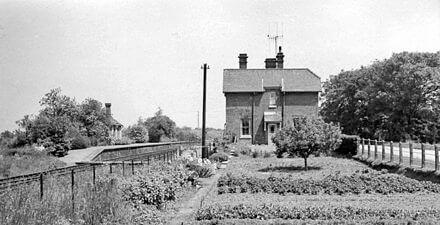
(137, 151)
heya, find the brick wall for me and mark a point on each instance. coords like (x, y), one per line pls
(239, 106)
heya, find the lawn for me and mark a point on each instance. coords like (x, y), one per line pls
(333, 191)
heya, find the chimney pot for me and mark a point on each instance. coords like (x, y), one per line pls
(108, 110)
(280, 59)
(242, 60)
(270, 63)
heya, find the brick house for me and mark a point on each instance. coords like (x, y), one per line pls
(261, 101)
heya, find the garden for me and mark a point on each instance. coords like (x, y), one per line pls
(334, 190)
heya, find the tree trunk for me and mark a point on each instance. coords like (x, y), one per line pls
(305, 164)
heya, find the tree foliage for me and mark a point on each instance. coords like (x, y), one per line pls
(159, 126)
(61, 122)
(394, 99)
(307, 136)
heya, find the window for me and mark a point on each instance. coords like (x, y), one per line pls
(245, 127)
(273, 99)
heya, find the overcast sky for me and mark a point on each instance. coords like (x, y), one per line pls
(141, 55)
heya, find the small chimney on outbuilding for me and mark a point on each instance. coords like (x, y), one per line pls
(280, 59)
(242, 60)
(108, 109)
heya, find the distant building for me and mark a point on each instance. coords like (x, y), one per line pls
(261, 101)
(114, 125)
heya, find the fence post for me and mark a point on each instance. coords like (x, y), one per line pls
(148, 160)
(436, 157)
(132, 167)
(383, 150)
(391, 152)
(111, 168)
(363, 146)
(73, 190)
(41, 186)
(375, 149)
(369, 151)
(423, 155)
(410, 154)
(400, 153)
(94, 175)
(123, 168)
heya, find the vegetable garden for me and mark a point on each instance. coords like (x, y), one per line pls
(333, 191)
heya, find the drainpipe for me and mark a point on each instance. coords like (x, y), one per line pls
(252, 124)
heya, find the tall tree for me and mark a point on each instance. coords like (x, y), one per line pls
(393, 99)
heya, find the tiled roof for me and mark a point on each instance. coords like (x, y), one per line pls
(255, 80)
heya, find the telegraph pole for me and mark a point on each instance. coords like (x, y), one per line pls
(204, 148)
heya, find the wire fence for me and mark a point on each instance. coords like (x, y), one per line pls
(121, 164)
(410, 154)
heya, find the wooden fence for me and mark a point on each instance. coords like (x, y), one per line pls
(405, 153)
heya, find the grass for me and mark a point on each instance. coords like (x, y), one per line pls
(25, 160)
(273, 208)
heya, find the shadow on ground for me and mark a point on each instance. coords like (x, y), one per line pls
(288, 169)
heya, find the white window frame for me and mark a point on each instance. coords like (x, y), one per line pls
(272, 99)
(242, 135)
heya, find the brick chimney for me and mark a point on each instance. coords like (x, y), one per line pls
(271, 63)
(108, 110)
(280, 59)
(242, 60)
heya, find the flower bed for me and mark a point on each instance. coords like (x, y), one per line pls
(357, 183)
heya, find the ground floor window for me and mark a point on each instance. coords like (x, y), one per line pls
(245, 127)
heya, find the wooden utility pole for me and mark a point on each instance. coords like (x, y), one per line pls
(204, 148)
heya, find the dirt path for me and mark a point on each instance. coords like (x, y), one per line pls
(188, 209)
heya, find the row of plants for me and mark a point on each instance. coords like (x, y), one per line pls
(275, 211)
(357, 183)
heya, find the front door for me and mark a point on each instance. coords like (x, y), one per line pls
(271, 130)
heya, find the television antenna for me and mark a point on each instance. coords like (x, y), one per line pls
(276, 36)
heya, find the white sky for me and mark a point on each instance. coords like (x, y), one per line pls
(140, 55)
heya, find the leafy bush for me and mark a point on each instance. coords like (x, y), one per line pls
(156, 187)
(256, 154)
(138, 133)
(357, 183)
(348, 145)
(80, 142)
(121, 141)
(219, 157)
(267, 155)
(202, 171)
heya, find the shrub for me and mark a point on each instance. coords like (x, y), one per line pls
(80, 142)
(121, 141)
(219, 157)
(245, 150)
(138, 133)
(267, 154)
(202, 171)
(348, 145)
(256, 154)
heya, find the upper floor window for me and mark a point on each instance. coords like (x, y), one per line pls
(273, 99)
